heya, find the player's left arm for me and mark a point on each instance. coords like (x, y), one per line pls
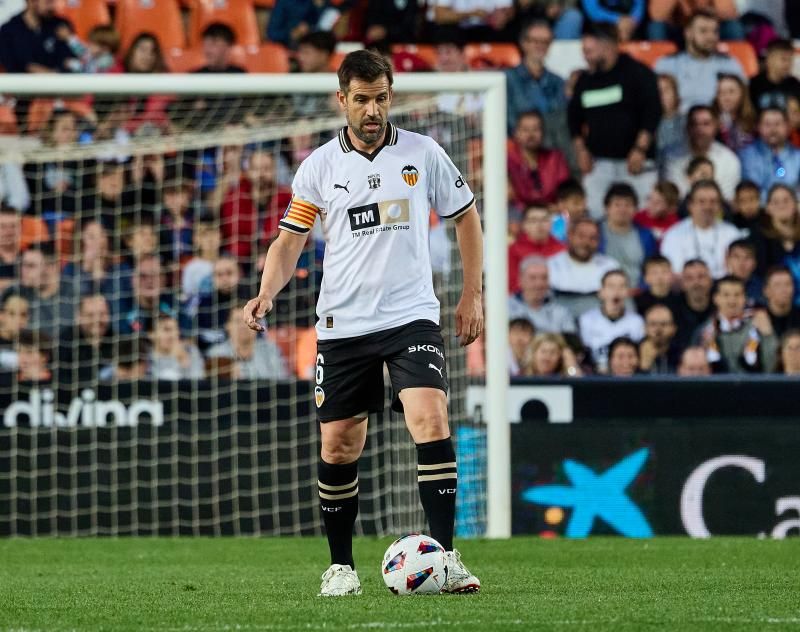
(469, 312)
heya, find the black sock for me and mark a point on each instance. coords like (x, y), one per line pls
(338, 499)
(437, 478)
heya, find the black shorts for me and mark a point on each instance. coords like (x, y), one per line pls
(349, 375)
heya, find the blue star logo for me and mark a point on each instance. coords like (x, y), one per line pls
(594, 495)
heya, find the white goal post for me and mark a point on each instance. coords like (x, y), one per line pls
(494, 207)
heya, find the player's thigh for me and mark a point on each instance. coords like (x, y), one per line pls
(415, 359)
(425, 411)
(348, 380)
(343, 439)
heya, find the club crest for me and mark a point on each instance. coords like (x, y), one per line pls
(410, 175)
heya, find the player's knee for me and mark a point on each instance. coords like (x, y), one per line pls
(429, 426)
(341, 451)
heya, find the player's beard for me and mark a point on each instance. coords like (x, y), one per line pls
(369, 138)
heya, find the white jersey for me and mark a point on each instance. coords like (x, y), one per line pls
(375, 212)
(598, 332)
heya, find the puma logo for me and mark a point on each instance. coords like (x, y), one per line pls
(342, 186)
(437, 369)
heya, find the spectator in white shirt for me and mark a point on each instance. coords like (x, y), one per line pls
(702, 127)
(702, 235)
(575, 273)
(612, 319)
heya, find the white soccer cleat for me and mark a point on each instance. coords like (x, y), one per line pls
(459, 579)
(339, 580)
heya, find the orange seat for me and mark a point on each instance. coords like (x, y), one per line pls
(264, 4)
(85, 15)
(190, 59)
(32, 231)
(161, 18)
(41, 109)
(306, 353)
(269, 57)
(64, 240)
(336, 60)
(744, 53)
(239, 15)
(485, 56)
(426, 52)
(648, 53)
(8, 119)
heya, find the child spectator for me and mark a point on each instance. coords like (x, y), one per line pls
(662, 209)
(34, 352)
(535, 239)
(196, 276)
(623, 357)
(737, 340)
(171, 358)
(520, 336)
(98, 54)
(658, 285)
(772, 86)
(737, 116)
(570, 205)
(746, 207)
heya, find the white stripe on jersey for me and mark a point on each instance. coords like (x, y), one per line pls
(375, 212)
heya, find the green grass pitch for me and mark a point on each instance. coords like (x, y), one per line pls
(271, 584)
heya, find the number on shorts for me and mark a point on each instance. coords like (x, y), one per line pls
(320, 362)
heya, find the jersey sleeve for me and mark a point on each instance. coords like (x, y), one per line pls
(448, 191)
(304, 206)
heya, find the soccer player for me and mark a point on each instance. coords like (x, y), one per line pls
(372, 187)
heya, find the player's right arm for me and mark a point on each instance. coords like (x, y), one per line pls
(279, 267)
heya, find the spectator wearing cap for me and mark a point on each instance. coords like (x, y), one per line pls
(134, 313)
(620, 238)
(535, 303)
(623, 357)
(779, 291)
(771, 159)
(611, 319)
(775, 83)
(172, 358)
(85, 349)
(575, 273)
(658, 352)
(702, 127)
(697, 67)
(34, 354)
(737, 340)
(10, 241)
(291, 20)
(29, 42)
(702, 235)
(534, 171)
(657, 276)
(520, 336)
(530, 85)
(613, 116)
(52, 299)
(626, 15)
(694, 305)
(694, 363)
(740, 261)
(533, 239)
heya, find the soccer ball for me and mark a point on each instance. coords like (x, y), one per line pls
(414, 565)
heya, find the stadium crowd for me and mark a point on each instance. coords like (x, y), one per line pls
(653, 211)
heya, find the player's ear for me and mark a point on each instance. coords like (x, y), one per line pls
(341, 97)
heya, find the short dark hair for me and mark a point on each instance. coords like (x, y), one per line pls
(218, 30)
(695, 262)
(521, 323)
(601, 30)
(701, 14)
(655, 260)
(365, 65)
(621, 341)
(729, 279)
(614, 272)
(321, 40)
(659, 305)
(742, 244)
(778, 269)
(669, 191)
(780, 45)
(6, 209)
(37, 339)
(772, 107)
(534, 113)
(47, 248)
(697, 162)
(700, 108)
(747, 185)
(582, 220)
(703, 184)
(131, 351)
(568, 188)
(620, 190)
(536, 206)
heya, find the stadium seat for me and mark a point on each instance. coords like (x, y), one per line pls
(484, 56)
(426, 52)
(161, 18)
(32, 231)
(264, 4)
(85, 15)
(190, 59)
(268, 57)
(336, 60)
(41, 109)
(648, 53)
(744, 53)
(237, 14)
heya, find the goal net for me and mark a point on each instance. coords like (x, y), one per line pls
(133, 401)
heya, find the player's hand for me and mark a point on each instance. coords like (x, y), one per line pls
(255, 310)
(762, 322)
(469, 318)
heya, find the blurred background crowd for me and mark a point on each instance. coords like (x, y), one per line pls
(652, 182)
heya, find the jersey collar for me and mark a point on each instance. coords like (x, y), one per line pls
(390, 138)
